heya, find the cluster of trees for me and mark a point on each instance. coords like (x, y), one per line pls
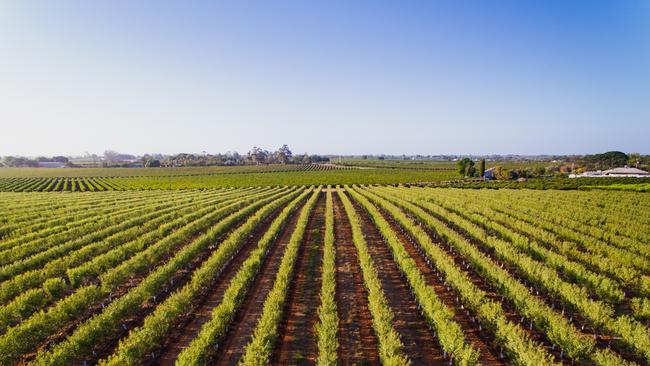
(184, 160)
(22, 162)
(502, 173)
(609, 160)
(281, 156)
(466, 167)
(18, 162)
(256, 156)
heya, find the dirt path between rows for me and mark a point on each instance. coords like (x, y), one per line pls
(357, 340)
(190, 325)
(479, 337)
(106, 347)
(241, 330)
(298, 341)
(420, 344)
(511, 313)
(179, 279)
(604, 339)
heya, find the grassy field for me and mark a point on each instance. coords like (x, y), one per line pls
(398, 164)
(90, 180)
(313, 264)
(634, 187)
(617, 183)
(300, 274)
(156, 172)
(82, 179)
(436, 164)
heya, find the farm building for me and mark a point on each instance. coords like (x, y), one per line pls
(616, 172)
(626, 172)
(489, 174)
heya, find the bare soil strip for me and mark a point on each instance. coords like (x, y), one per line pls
(241, 330)
(623, 308)
(190, 324)
(297, 342)
(603, 340)
(420, 344)
(358, 343)
(480, 338)
(508, 306)
(179, 280)
(107, 346)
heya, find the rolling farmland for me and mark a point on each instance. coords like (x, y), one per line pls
(318, 274)
(122, 179)
(325, 183)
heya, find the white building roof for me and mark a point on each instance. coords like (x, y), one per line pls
(626, 170)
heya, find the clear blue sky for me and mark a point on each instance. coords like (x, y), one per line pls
(345, 77)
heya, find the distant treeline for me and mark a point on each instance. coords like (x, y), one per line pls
(255, 156)
(284, 155)
(22, 162)
(611, 159)
(110, 158)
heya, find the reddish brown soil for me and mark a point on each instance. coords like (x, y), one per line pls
(357, 341)
(241, 330)
(297, 341)
(85, 186)
(603, 339)
(189, 326)
(106, 347)
(179, 279)
(420, 344)
(621, 309)
(479, 337)
(585, 233)
(479, 281)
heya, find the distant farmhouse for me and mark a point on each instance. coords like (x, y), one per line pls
(616, 172)
(489, 174)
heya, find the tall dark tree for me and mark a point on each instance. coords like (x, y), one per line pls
(481, 168)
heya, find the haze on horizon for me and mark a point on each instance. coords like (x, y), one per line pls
(339, 77)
